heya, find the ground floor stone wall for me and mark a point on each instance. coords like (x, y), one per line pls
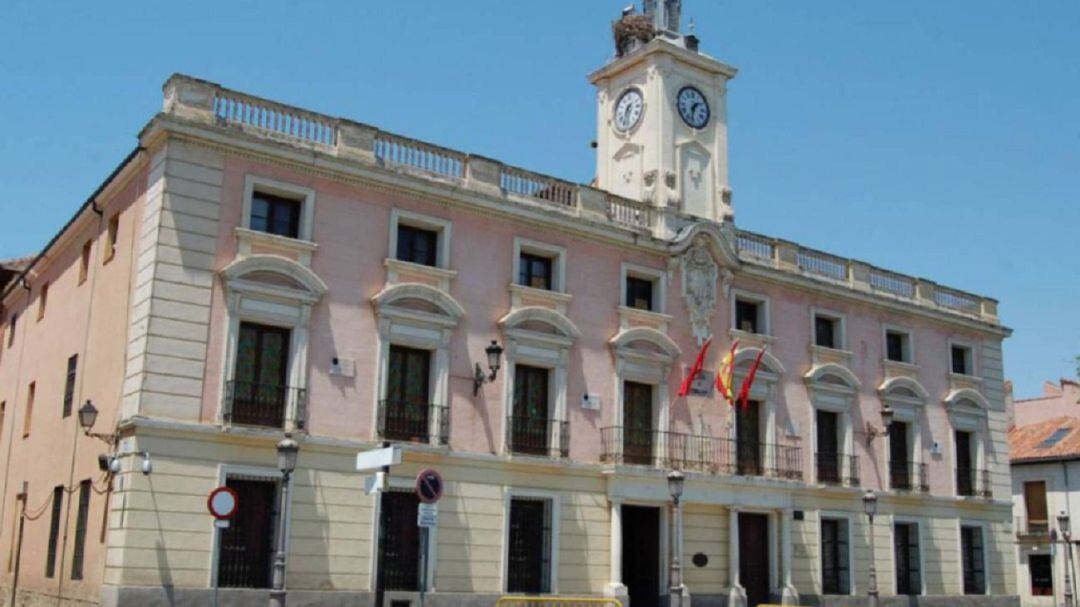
(162, 551)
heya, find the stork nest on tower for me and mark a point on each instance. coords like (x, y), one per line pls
(631, 32)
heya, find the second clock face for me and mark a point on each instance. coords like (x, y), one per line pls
(693, 108)
(628, 110)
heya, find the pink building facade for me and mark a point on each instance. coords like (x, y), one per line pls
(254, 268)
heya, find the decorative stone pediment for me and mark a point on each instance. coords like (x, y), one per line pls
(275, 277)
(418, 302)
(705, 259)
(644, 343)
(541, 324)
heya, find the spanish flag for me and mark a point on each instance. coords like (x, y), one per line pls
(725, 376)
(684, 389)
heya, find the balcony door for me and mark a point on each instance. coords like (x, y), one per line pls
(405, 412)
(828, 448)
(637, 423)
(530, 422)
(748, 439)
(899, 463)
(1038, 520)
(260, 382)
(965, 470)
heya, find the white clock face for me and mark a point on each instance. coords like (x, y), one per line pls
(628, 110)
(693, 108)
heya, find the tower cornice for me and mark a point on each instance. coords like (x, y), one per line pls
(661, 46)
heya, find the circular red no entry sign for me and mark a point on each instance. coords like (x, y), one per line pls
(223, 503)
(429, 486)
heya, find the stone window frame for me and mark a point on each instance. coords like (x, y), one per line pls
(554, 499)
(546, 350)
(910, 360)
(766, 389)
(841, 320)
(849, 518)
(971, 418)
(268, 473)
(971, 359)
(644, 367)
(658, 278)
(400, 483)
(764, 313)
(305, 195)
(836, 398)
(402, 326)
(557, 253)
(984, 529)
(442, 227)
(274, 305)
(907, 410)
(920, 531)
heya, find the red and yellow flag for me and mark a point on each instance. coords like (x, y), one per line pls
(725, 376)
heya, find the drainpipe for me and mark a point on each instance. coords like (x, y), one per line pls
(1069, 562)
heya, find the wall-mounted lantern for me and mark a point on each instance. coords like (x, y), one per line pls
(494, 356)
(886, 421)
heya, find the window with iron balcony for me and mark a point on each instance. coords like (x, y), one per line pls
(259, 394)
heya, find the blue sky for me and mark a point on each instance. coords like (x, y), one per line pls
(940, 139)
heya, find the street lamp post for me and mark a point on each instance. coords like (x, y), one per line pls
(287, 451)
(870, 506)
(675, 487)
(1066, 536)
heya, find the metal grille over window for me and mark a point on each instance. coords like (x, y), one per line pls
(80, 531)
(835, 564)
(54, 531)
(529, 547)
(399, 541)
(247, 544)
(906, 553)
(971, 552)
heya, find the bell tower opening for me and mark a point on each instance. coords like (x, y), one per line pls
(662, 116)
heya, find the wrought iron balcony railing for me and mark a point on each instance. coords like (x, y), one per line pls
(909, 476)
(1032, 530)
(412, 422)
(265, 405)
(699, 453)
(972, 482)
(837, 469)
(536, 436)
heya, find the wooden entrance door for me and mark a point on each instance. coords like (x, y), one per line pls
(754, 557)
(641, 555)
(246, 548)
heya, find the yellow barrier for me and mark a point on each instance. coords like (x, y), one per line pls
(556, 601)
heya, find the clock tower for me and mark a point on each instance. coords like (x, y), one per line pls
(662, 119)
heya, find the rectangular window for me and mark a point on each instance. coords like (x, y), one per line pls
(43, 300)
(639, 293)
(245, 552)
(80, 531)
(898, 346)
(835, 555)
(530, 424)
(54, 531)
(29, 415)
(417, 245)
(3, 416)
(1035, 504)
(529, 546)
(399, 541)
(535, 271)
(259, 388)
(84, 261)
(69, 383)
(275, 215)
(971, 553)
(961, 360)
(1041, 569)
(11, 328)
(748, 316)
(637, 423)
(826, 331)
(407, 406)
(906, 553)
(111, 236)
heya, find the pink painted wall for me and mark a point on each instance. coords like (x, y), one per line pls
(39, 353)
(1057, 400)
(352, 231)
